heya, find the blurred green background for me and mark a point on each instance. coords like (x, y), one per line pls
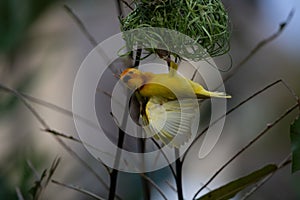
(41, 49)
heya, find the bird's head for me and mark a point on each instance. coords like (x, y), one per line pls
(133, 78)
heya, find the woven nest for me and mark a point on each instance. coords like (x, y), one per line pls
(204, 21)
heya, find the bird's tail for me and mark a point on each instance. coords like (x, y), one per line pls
(207, 94)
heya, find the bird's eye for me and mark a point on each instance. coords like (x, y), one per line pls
(126, 78)
(130, 72)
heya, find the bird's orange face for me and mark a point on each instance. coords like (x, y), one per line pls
(132, 77)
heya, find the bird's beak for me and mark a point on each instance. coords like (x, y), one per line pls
(118, 76)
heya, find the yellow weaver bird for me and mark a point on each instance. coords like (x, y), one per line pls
(171, 103)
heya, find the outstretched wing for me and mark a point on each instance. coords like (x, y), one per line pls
(170, 121)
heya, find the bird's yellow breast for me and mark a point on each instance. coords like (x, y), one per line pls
(170, 87)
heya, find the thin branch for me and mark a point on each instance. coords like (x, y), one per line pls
(283, 163)
(108, 169)
(171, 186)
(119, 8)
(90, 38)
(292, 92)
(115, 171)
(178, 167)
(87, 166)
(27, 105)
(56, 108)
(81, 26)
(35, 172)
(127, 4)
(42, 182)
(78, 189)
(138, 57)
(263, 43)
(142, 141)
(52, 169)
(47, 127)
(262, 133)
(69, 137)
(230, 111)
(148, 179)
(58, 134)
(19, 193)
(146, 187)
(154, 185)
(165, 156)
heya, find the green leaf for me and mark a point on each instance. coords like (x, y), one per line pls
(231, 189)
(295, 140)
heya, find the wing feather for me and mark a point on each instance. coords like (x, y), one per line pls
(170, 121)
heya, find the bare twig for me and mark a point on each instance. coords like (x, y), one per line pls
(230, 111)
(154, 185)
(81, 26)
(115, 171)
(262, 133)
(283, 163)
(127, 4)
(142, 141)
(262, 43)
(178, 167)
(35, 172)
(138, 57)
(52, 169)
(58, 134)
(119, 8)
(146, 187)
(89, 36)
(27, 105)
(292, 92)
(171, 186)
(87, 166)
(78, 189)
(148, 179)
(69, 137)
(108, 169)
(165, 156)
(19, 193)
(56, 108)
(47, 127)
(43, 180)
